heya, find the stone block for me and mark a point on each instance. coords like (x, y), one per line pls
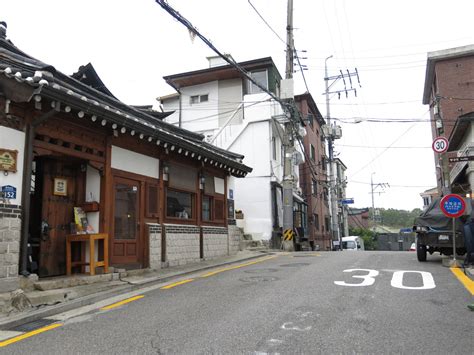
(13, 271)
(10, 284)
(14, 247)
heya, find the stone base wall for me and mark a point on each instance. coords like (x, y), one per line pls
(235, 234)
(182, 244)
(154, 234)
(215, 242)
(10, 235)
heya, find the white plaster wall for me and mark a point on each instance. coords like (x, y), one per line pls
(253, 196)
(254, 144)
(13, 140)
(132, 162)
(202, 116)
(171, 105)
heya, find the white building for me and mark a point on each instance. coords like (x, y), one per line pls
(234, 114)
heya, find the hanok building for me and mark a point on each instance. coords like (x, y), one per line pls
(158, 192)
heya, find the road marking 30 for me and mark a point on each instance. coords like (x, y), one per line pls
(29, 334)
(118, 304)
(466, 281)
(397, 279)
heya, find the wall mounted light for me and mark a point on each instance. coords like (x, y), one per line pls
(202, 181)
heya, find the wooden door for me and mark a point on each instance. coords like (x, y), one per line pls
(125, 236)
(57, 212)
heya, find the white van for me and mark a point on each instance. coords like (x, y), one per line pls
(353, 243)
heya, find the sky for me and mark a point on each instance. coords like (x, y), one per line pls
(386, 136)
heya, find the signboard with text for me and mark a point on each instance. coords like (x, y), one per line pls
(452, 205)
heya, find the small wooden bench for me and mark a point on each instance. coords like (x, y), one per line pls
(91, 238)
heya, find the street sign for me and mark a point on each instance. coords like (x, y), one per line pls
(452, 205)
(460, 159)
(440, 145)
(347, 201)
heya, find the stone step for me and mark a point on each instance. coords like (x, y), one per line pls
(75, 280)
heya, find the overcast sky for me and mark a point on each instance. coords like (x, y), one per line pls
(133, 44)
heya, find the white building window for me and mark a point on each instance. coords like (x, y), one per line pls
(196, 99)
(261, 78)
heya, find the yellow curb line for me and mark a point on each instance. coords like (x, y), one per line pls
(466, 281)
(237, 266)
(176, 284)
(29, 334)
(128, 300)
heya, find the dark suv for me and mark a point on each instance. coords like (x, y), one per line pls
(434, 231)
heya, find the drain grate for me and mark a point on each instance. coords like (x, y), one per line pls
(295, 265)
(28, 327)
(258, 279)
(258, 271)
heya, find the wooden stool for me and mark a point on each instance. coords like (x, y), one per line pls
(91, 238)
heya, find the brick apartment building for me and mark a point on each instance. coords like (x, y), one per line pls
(449, 92)
(313, 173)
(358, 218)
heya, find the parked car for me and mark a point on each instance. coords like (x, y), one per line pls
(353, 242)
(434, 231)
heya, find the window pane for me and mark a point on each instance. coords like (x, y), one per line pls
(182, 177)
(206, 208)
(194, 99)
(125, 212)
(179, 204)
(204, 98)
(261, 78)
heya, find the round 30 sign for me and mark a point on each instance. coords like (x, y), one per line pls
(440, 145)
(452, 205)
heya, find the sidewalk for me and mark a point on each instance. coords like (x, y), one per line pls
(44, 298)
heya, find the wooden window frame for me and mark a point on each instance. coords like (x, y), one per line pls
(148, 213)
(194, 211)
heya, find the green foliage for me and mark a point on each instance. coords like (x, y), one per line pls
(397, 218)
(370, 243)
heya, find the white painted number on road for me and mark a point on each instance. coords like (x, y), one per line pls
(428, 281)
(367, 279)
(397, 279)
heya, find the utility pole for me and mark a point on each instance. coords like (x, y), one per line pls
(288, 144)
(334, 132)
(373, 187)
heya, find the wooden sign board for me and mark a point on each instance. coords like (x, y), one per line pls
(8, 159)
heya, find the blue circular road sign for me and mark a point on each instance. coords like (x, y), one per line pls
(452, 205)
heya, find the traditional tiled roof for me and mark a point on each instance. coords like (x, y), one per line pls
(100, 106)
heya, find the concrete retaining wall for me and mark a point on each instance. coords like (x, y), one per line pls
(215, 242)
(154, 234)
(182, 244)
(10, 228)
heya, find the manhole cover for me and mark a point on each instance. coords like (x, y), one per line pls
(28, 327)
(260, 271)
(295, 265)
(259, 279)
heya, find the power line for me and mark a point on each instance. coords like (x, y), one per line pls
(373, 147)
(266, 23)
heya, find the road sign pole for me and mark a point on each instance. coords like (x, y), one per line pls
(454, 239)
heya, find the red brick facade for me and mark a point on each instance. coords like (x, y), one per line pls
(313, 173)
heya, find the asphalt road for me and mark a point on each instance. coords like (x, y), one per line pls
(301, 303)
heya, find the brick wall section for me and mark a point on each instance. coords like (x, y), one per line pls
(215, 242)
(182, 244)
(10, 230)
(235, 235)
(154, 234)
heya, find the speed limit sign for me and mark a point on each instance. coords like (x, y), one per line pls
(440, 145)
